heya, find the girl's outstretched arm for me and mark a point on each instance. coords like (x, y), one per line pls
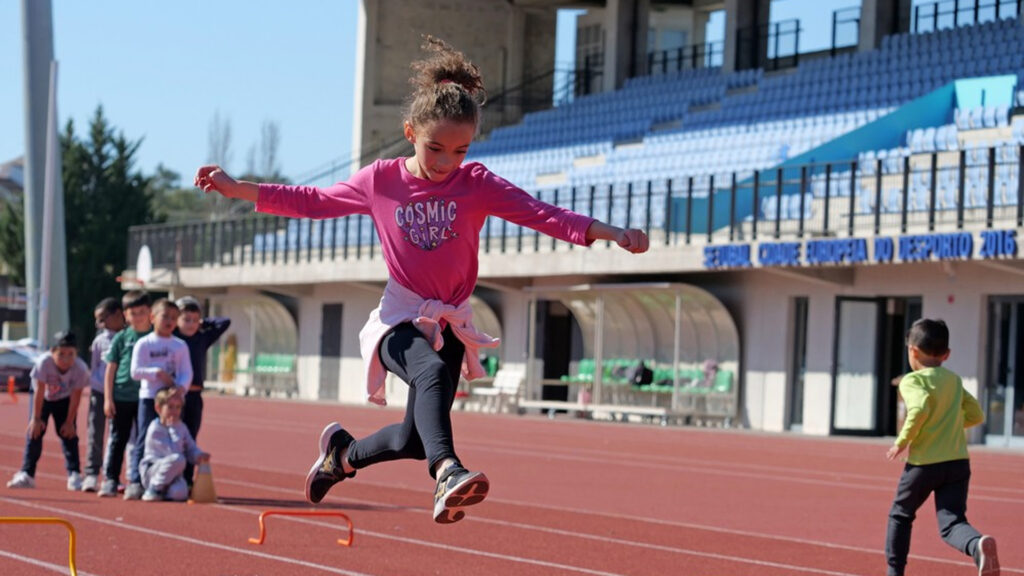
(631, 239)
(341, 199)
(213, 178)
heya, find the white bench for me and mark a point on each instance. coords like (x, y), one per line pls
(613, 410)
(503, 394)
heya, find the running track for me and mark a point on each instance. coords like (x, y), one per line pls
(567, 497)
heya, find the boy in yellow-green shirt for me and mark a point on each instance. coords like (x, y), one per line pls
(938, 411)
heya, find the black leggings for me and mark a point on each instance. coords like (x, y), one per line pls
(432, 376)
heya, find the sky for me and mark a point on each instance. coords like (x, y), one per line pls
(163, 70)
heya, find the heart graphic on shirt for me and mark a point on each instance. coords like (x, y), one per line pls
(427, 224)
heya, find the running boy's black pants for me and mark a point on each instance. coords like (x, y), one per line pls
(948, 480)
(432, 376)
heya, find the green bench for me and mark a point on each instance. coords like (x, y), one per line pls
(693, 399)
(272, 373)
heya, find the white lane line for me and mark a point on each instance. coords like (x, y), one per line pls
(556, 531)
(437, 545)
(694, 526)
(733, 469)
(62, 569)
(160, 534)
(611, 516)
(362, 533)
(645, 519)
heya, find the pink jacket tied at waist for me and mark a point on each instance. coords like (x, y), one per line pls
(398, 305)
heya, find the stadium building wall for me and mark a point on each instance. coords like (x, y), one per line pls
(820, 303)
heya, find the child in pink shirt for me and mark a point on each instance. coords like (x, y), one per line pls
(428, 210)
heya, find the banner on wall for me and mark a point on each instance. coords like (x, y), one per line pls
(984, 245)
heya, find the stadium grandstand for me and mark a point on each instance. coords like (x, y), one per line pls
(804, 208)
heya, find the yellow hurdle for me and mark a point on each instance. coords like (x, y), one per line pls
(263, 527)
(61, 521)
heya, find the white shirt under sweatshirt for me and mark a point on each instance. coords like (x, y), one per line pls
(153, 353)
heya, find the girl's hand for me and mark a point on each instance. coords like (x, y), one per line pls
(213, 178)
(109, 410)
(633, 240)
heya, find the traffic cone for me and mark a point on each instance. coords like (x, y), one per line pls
(11, 389)
(203, 491)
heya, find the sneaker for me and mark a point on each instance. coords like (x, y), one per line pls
(89, 483)
(327, 470)
(133, 491)
(152, 495)
(108, 489)
(74, 482)
(456, 489)
(987, 557)
(21, 479)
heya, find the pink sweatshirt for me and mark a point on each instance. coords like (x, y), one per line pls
(429, 232)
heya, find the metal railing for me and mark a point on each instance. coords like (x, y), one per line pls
(588, 77)
(981, 187)
(774, 46)
(843, 20)
(934, 16)
(708, 55)
(539, 92)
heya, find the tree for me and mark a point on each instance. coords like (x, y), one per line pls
(172, 203)
(219, 141)
(270, 139)
(219, 153)
(104, 194)
(12, 239)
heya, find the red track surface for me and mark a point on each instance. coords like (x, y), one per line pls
(567, 497)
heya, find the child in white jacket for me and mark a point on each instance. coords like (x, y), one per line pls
(158, 359)
(169, 446)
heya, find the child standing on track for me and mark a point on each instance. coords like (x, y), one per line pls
(428, 210)
(938, 411)
(58, 379)
(199, 334)
(121, 392)
(109, 321)
(158, 360)
(169, 447)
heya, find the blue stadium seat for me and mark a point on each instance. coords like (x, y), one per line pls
(785, 116)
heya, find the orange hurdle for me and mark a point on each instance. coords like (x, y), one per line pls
(263, 526)
(61, 521)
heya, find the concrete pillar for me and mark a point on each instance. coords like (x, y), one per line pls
(700, 23)
(698, 34)
(881, 18)
(745, 48)
(625, 52)
(512, 69)
(363, 82)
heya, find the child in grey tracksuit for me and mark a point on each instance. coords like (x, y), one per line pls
(169, 446)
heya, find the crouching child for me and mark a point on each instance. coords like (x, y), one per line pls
(169, 447)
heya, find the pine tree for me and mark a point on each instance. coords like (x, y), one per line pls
(103, 195)
(12, 239)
